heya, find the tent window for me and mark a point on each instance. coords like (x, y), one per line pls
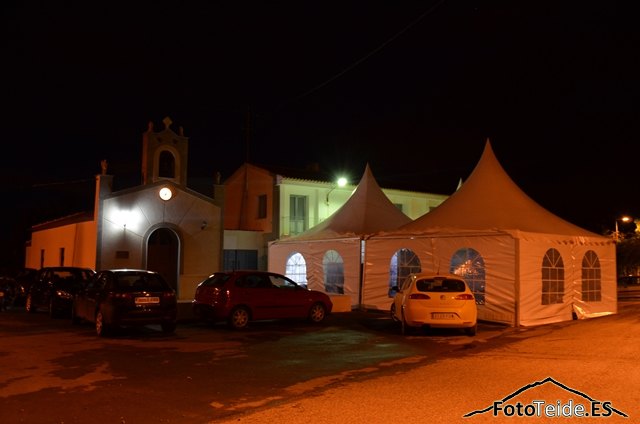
(591, 281)
(403, 263)
(469, 264)
(552, 278)
(296, 269)
(333, 267)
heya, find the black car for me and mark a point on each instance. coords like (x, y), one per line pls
(54, 287)
(15, 286)
(126, 297)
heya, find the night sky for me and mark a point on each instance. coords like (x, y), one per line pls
(412, 88)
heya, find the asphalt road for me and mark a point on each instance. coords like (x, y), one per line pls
(582, 371)
(356, 368)
(54, 372)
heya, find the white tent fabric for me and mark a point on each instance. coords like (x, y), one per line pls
(512, 233)
(367, 211)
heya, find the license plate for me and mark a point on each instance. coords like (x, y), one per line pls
(147, 300)
(442, 315)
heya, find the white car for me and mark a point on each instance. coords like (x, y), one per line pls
(426, 300)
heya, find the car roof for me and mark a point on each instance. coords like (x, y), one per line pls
(66, 268)
(146, 271)
(247, 271)
(431, 275)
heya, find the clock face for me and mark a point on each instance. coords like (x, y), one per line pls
(165, 193)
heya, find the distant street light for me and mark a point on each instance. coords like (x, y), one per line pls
(616, 234)
(342, 181)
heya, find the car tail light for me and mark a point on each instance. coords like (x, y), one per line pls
(464, 296)
(168, 295)
(421, 296)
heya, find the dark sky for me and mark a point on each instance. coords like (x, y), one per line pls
(412, 88)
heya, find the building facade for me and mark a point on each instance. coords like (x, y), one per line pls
(160, 225)
(264, 204)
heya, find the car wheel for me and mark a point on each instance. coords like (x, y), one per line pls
(29, 306)
(239, 318)
(53, 313)
(75, 319)
(394, 318)
(471, 331)
(317, 313)
(102, 328)
(403, 322)
(168, 326)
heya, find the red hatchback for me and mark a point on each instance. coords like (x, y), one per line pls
(239, 297)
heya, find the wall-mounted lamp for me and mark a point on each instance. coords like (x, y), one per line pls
(165, 193)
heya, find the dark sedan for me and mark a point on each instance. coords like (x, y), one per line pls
(53, 289)
(126, 297)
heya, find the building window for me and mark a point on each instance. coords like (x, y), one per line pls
(552, 278)
(333, 267)
(468, 264)
(297, 214)
(403, 263)
(262, 206)
(296, 269)
(167, 166)
(591, 281)
(62, 256)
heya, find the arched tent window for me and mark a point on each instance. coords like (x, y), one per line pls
(469, 264)
(296, 268)
(403, 263)
(333, 267)
(167, 165)
(552, 278)
(591, 280)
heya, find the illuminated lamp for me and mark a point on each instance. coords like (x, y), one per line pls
(165, 193)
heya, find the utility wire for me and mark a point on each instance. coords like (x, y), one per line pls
(371, 53)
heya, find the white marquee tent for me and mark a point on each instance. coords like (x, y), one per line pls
(336, 242)
(526, 265)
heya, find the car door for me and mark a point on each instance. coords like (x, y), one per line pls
(293, 299)
(87, 298)
(41, 289)
(258, 293)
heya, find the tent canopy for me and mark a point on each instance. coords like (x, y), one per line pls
(490, 200)
(367, 211)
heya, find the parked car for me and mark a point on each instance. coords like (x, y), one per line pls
(239, 297)
(15, 286)
(629, 281)
(427, 300)
(53, 289)
(126, 297)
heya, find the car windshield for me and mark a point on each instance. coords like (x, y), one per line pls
(139, 282)
(440, 285)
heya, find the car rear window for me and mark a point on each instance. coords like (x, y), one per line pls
(447, 285)
(216, 280)
(140, 282)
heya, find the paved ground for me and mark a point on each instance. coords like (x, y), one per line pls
(592, 363)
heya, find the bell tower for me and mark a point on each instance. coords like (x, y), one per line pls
(164, 155)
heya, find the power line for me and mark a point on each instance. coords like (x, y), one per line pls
(371, 53)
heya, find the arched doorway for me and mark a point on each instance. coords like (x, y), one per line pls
(163, 253)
